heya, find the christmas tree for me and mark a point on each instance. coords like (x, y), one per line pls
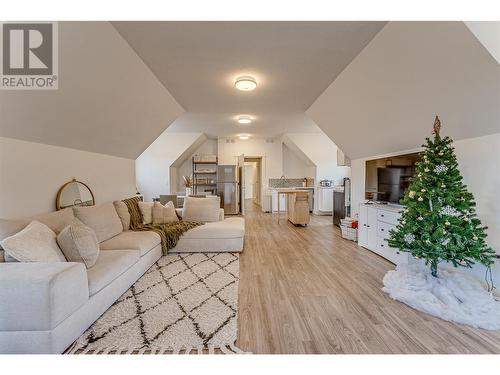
(439, 222)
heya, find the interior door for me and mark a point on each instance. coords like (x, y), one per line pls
(241, 169)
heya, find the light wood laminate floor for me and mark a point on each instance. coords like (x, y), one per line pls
(306, 290)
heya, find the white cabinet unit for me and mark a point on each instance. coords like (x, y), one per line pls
(325, 199)
(375, 223)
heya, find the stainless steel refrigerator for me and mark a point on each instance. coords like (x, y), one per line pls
(228, 188)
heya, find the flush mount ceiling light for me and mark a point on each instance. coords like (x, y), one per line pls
(243, 137)
(244, 119)
(245, 83)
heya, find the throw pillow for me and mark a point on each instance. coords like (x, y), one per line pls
(122, 211)
(79, 243)
(205, 210)
(102, 218)
(147, 211)
(164, 213)
(35, 243)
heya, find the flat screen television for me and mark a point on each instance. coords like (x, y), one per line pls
(388, 178)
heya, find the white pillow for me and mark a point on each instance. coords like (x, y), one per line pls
(79, 243)
(147, 211)
(164, 213)
(205, 210)
(35, 243)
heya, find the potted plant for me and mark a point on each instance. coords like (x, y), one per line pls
(188, 183)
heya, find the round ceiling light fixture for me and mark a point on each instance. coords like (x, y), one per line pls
(245, 83)
(243, 136)
(244, 119)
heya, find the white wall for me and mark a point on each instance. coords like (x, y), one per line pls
(271, 153)
(296, 167)
(32, 173)
(153, 165)
(323, 153)
(478, 159)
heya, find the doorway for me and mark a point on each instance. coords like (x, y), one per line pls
(253, 179)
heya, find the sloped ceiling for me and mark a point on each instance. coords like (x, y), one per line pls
(108, 100)
(488, 33)
(297, 151)
(189, 151)
(386, 99)
(293, 63)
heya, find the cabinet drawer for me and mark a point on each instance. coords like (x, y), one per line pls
(390, 253)
(388, 216)
(383, 229)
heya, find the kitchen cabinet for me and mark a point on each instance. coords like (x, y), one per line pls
(298, 208)
(342, 159)
(325, 199)
(375, 223)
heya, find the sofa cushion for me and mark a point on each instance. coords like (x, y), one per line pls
(146, 209)
(110, 265)
(164, 213)
(122, 211)
(228, 228)
(56, 221)
(143, 241)
(102, 218)
(35, 243)
(205, 210)
(78, 243)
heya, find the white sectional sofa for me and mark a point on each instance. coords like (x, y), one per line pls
(44, 307)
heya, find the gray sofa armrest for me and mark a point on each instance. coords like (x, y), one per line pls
(39, 296)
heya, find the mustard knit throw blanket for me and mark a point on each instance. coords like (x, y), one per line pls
(169, 232)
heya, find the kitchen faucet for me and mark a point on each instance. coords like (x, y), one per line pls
(283, 180)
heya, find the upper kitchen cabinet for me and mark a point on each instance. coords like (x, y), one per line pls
(342, 159)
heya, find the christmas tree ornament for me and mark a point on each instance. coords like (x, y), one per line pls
(446, 202)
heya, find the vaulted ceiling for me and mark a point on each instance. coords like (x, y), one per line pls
(108, 100)
(386, 99)
(372, 87)
(293, 62)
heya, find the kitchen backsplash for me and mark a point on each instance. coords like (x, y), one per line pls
(289, 182)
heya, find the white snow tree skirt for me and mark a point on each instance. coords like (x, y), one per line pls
(454, 296)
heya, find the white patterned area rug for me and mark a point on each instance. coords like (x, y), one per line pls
(185, 303)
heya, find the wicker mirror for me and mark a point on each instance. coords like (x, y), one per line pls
(74, 193)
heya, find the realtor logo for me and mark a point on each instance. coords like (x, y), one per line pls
(29, 56)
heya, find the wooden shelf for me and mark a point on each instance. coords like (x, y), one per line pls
(212, 174)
